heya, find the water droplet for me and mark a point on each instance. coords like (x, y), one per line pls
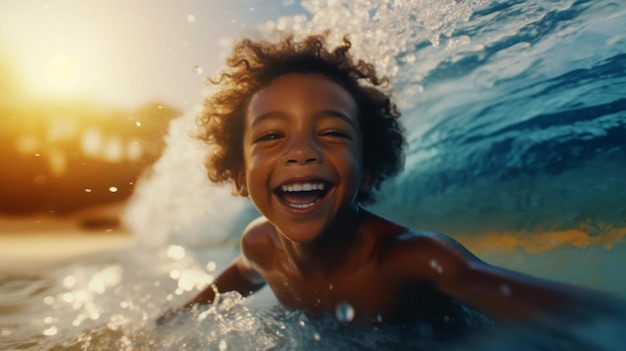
(330, 287)
(87, 190)
(50, 331)
(435, 265)
(344, 312)
(68, 297)
(176, 252)
(316, 336)
(211, 266)
(187, 281)
(138, 124)
(69, 282)
(49, 300)
(174, 274)
(505, 290)
(191, 18)
(198, 69)
(410, 58)
(223, 345)
(5, 332)
(113, 189)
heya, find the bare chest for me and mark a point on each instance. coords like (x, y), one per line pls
(366, 294)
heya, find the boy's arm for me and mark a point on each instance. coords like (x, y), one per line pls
(238, 276)
(509, 296)
(502, 294)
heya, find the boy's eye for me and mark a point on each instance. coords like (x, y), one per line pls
(268, 137)
(336, 133)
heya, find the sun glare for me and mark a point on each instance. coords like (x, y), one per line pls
(125, 53)
(62, 70)
(62, 74)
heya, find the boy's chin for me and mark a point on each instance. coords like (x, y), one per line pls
(301, 237)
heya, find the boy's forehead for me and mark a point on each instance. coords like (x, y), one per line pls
(301, 92)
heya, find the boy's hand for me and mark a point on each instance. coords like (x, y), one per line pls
(171, 315)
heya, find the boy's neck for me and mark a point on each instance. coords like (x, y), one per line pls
(328, 251)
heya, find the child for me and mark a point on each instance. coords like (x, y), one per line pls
(308, 135)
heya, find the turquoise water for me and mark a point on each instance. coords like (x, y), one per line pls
(515, 113)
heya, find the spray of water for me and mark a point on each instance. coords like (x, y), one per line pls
(175, 203)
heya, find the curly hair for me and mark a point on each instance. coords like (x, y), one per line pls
(253, 65)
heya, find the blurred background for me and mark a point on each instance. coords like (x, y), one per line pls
(87, 92)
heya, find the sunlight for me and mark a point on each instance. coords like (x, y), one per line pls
(63, 76)
(62, 70)
(542, 242)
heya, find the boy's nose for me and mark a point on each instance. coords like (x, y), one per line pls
(301, 153)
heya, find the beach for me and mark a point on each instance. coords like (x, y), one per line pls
(41, 239)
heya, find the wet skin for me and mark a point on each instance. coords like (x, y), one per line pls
(316, 248)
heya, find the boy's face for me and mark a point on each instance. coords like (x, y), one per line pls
(302, 153)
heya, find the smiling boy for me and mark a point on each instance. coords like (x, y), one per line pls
(308, 135)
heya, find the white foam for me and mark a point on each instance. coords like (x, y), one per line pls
(176, 203)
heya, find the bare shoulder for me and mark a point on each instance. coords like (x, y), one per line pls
(259, 241)
(424, 255)
(423, 240)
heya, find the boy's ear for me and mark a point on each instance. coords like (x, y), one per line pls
(241, 188)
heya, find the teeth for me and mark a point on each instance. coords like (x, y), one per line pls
(302, 205)
(303, 187)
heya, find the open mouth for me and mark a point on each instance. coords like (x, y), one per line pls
(302, 195)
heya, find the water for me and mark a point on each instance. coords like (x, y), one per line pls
(515, 115)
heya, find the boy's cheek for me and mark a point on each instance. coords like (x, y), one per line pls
(256, 161)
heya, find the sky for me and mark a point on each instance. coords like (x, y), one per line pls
(126, 52)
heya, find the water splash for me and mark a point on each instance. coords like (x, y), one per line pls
(392, 35)
(175, 203)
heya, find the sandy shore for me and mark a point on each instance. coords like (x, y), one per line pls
(40, 238)
(43, 246)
